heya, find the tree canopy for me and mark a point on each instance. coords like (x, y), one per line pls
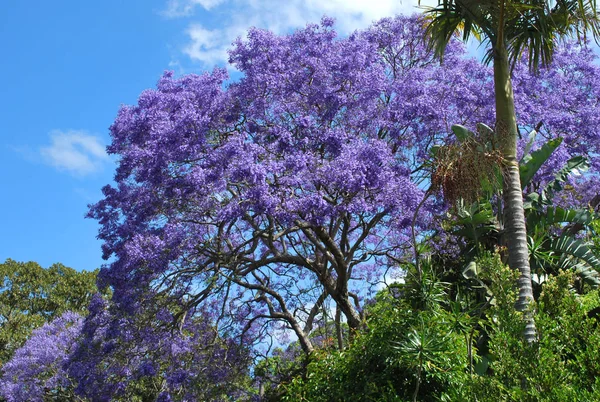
(31, 296)
(265, 197)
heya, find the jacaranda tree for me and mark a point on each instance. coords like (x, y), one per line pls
(38, 366)
(262, 200)
(124, 358)
(31, 295)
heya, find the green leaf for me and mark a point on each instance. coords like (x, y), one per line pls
(531, 200)
(575, 166)
(588, 274)
(475, 214)
(578, 249)
(482, 366)
(461, 132)
(532, 162)
(554, 215)
(433, 151)
(485, 130)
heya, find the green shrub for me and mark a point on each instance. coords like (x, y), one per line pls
(563, 366)
(415, 347)
(406, 347)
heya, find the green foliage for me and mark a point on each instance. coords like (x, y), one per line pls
(595, 226)
(564, 365)
(277, 369)
(412, 348)
(418, 345)
(574, 166)
(580, 257)
(552, 244)
(31, 295)
(477, 224)
(557, 215)
(532, 162)
(558, 238)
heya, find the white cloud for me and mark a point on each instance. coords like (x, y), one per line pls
(209, 46)
(76, 152)
(184, 8)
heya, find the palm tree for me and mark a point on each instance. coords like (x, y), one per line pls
(512, 28)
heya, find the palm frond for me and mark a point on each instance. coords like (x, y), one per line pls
(536, 28)
(450, 17)
(530, 27)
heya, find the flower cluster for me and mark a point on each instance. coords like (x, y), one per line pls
(38, 365)
(107, 356)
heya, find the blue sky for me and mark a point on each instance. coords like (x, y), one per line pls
(67, 67)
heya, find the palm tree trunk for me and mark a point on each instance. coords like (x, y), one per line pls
(514, 214)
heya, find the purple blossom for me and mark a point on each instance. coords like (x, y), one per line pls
(256, 198)
(37, 367)
(106, 356)
(117, 351)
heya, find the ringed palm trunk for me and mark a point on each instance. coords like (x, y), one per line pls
(514, 214)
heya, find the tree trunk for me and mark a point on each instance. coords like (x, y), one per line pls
(338, 328)
(514, 214)
(303, 337)
(339, 293)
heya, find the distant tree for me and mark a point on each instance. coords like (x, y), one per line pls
(106, 358)
(31, 296)
(35, 372)
(142, 357)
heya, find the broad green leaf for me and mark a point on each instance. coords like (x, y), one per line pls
(475, 214)
(481, 367)
(579, 250)
(554, 215)
(532, 162)
(588, 274)
(478, 218)
(486, 130)
(531, 200)
(461, 132)
(574, 166)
